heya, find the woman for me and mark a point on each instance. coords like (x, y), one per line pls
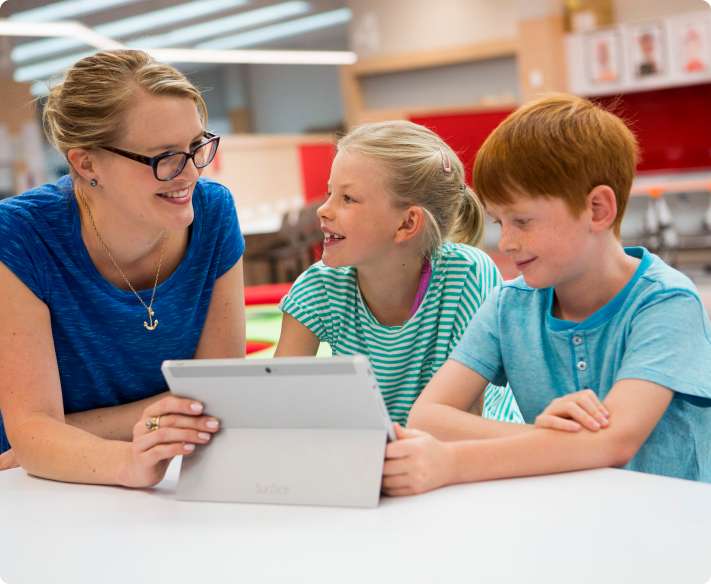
(130, 260)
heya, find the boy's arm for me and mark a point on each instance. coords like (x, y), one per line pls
(418, 462)
(442, 409)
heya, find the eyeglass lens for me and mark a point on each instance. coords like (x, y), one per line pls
(171, 166)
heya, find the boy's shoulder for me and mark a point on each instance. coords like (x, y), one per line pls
(662, 277)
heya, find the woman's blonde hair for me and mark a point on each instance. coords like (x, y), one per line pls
(422, 171)
(87, 108)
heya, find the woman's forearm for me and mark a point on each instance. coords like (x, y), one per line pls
(112, 423)
(48, 448)
(449, 423)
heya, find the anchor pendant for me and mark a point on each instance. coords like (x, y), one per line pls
(153, 323)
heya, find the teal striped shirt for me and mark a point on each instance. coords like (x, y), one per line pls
(404, 358)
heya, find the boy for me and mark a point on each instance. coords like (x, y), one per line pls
(586, 313)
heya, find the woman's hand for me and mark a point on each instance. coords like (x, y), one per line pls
(169, 427)
(415, 463)
(8, 460)
(575, 411)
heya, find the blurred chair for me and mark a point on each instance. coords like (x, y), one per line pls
(297, 245)
(685, 219)
(641, 225)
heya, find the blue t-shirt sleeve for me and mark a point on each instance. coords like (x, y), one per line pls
(231, 244)
(480, 345)
(669, 343)
(20, 252)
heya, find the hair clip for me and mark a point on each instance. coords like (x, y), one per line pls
(446, 162)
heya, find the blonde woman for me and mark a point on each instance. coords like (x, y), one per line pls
(129, 260)
(392, 285)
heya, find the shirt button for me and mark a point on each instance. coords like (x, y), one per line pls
(577, 340)
(582, 365)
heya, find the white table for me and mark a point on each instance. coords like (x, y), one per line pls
(596, 526)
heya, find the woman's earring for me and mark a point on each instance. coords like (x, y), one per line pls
(93, 182)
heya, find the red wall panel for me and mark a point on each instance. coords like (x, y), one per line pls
(464, 132)
(316, 162)
(673, 127)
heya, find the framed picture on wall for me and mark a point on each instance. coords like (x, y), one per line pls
(647, 48)
(691, 47)
(602, 57)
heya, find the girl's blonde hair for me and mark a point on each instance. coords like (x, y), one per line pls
(422, 171)
(86, 110)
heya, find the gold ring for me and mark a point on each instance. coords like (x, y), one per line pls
(153, 423)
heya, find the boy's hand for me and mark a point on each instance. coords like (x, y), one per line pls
(574, 411)
(416, 463)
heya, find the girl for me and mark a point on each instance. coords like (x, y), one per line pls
(389, 286)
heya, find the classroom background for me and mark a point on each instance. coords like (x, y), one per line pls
(283, 79)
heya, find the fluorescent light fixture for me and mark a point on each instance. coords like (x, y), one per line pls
(67, 9)
(276, 31)
(127, 27)
(40, 88)
(58, 29)
(222, 25)
(271, 57)
(45, 69)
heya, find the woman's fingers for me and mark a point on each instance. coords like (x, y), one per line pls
(175, 412)
(164, 452)
(171, 435)
(173, 405)
(203, 423)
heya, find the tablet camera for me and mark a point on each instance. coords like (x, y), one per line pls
(268, 369)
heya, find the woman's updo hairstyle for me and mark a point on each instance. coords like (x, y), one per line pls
(86, 110)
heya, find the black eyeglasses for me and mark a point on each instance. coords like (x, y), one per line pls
(168, 165)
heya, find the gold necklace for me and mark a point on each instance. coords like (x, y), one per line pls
(152, 323)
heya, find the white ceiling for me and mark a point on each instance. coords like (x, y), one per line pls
(204, 24)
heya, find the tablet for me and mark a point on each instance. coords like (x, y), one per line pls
(284, 392)
(292, 430)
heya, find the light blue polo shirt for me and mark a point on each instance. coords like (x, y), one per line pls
(655, 329)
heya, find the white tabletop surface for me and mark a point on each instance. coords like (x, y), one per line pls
(596, 526)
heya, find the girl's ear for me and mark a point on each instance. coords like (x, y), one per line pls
(602, 205)
(412, 224)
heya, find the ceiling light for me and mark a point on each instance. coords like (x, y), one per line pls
(271, 57)
(67, 9)
(58, 29)
(222, 25)
(127, 26)
(276, 31)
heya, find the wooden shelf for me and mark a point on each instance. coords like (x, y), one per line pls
(380, 115)
(352, 76)
(435, 58)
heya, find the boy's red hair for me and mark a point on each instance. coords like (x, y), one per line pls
(560, 146)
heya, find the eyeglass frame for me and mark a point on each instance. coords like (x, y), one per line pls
(153, 161)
